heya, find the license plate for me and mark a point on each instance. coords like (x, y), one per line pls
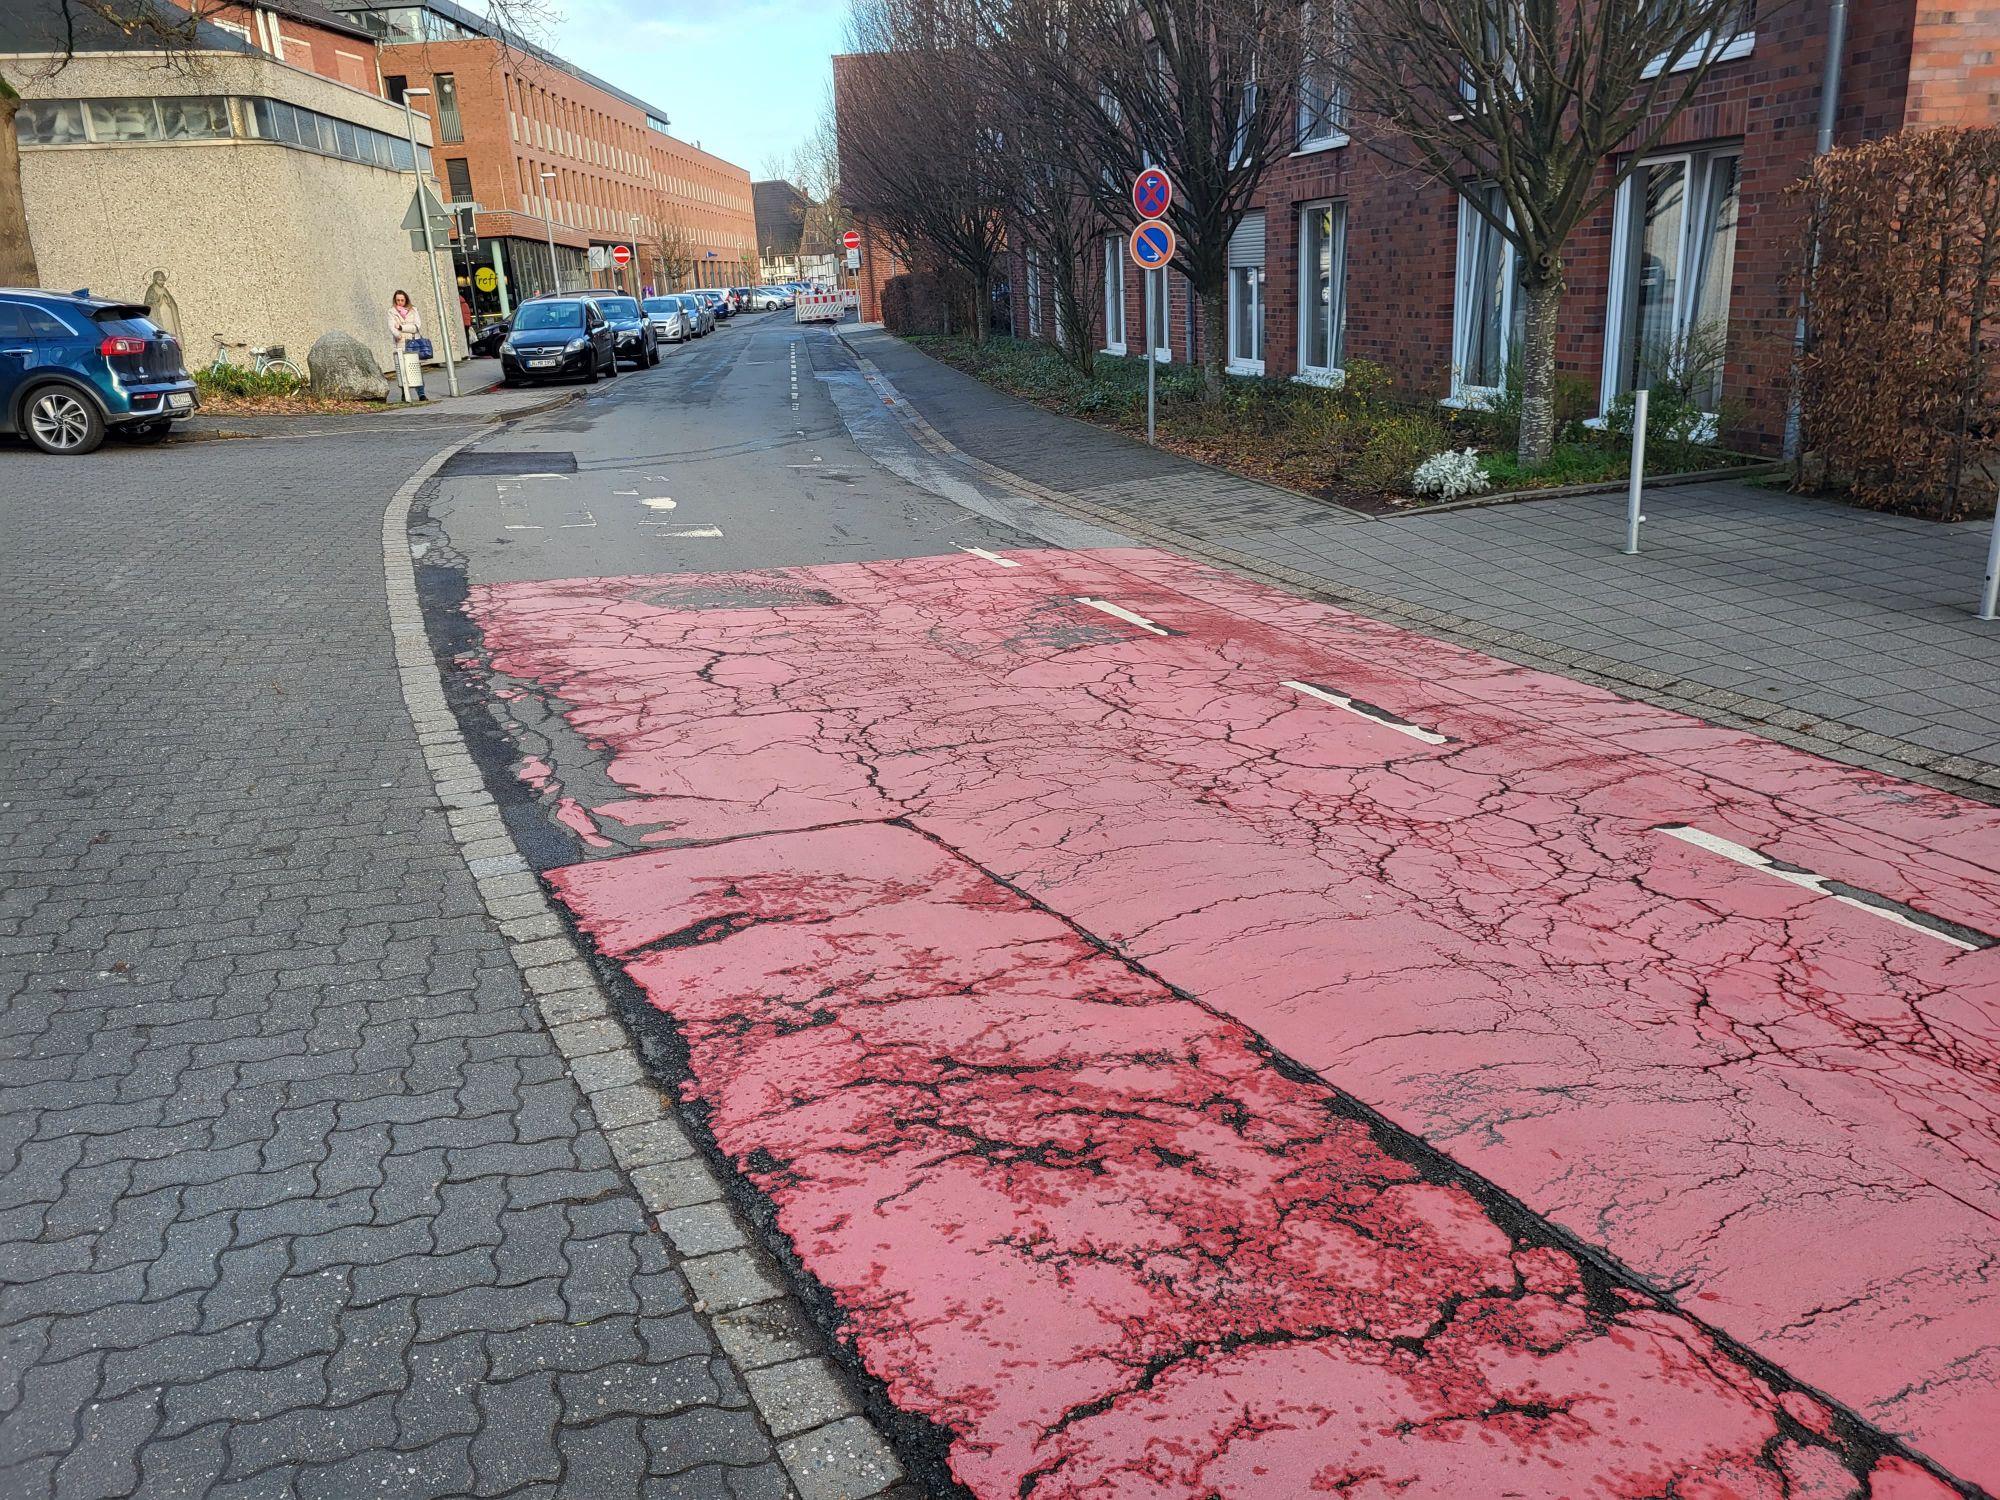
(179, 400)
(540, 364)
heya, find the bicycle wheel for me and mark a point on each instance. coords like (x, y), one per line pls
(286, 367)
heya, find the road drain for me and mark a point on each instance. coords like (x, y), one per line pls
(1872, 902)
(1370, 712)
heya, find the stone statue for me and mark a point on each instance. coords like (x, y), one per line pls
(161, 307)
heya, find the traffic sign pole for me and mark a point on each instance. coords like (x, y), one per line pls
(1147, 277)
(430, 248)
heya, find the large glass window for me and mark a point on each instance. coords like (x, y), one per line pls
(458, 176)
(1246, 296)
(1486, 319)
(1673, 258)
(451, 129)
(1322, 286)
(122, 120)
(1322, 107)
(1162, 315)
(1114, 294)
(50, 122)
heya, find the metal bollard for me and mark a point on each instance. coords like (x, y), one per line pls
(1637, 487)
(1991, 596)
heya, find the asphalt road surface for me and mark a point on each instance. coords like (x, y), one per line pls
(1201, 1042)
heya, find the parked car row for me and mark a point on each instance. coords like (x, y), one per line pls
(565, 336)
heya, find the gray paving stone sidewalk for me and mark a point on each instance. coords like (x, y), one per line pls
(297, 1197)
(1844, 630)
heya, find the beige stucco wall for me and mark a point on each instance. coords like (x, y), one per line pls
(262, 242)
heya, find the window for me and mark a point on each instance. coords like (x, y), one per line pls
(286, 124)
(451, 129)
(394, 84)
(458, 176)
(1486, 314)
(1162, 309)
(1114, 294)
(50, 122)
(1246, 118)
(1322, 103)
(1034, 295)
(1322, 288)
(1246, 296)
(1673, 257)
(351, 68)
(122, 120)
(1735, 36)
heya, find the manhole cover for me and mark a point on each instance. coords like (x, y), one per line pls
(508, 463)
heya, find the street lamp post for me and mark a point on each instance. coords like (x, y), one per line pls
(549, 223)
(430, 249)
(637, 219)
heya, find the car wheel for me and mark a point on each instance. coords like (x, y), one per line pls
(143, 432)
(61, 420)
(652, 356)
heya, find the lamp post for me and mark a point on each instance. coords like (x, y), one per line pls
(637, 287)
(549, 223)
(430, 249)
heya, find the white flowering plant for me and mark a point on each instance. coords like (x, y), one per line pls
(1450, 474)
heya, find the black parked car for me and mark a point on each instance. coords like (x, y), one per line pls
(632, 328)
(489, 334)
(557, 337)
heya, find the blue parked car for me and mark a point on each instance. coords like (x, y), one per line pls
(74, 366)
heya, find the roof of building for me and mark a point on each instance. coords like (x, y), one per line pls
(472, 21)
(312, 13)
(65, 29)
(780, 210)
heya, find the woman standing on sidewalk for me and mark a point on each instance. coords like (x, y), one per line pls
(405, 327)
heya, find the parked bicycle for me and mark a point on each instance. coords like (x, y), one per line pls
(266, 357)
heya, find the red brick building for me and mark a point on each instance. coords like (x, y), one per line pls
(1341, 258)
(503, 112)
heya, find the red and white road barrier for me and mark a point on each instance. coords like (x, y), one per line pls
(819, 307)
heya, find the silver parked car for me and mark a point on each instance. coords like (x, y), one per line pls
(672, 321)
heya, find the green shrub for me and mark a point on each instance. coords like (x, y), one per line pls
(242, 380)
(1393, 447)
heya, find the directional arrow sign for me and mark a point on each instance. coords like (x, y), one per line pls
(1152, 245)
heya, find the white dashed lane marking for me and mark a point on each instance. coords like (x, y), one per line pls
(992, 557)
(1120, 612)
(1875, 904)
(1369, 712)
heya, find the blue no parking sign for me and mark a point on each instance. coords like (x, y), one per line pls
(1152, 245)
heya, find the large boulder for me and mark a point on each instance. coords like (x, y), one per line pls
(341, 365)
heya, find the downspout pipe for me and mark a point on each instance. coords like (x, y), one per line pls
(1829, 116)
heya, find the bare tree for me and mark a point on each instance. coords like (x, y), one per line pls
(1524, 100)
(920, 157)
(1055, 217)
(674, 249)
(1206, 89)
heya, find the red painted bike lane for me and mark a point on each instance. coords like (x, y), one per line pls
(1719, 1008)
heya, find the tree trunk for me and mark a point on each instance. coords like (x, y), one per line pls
(1215, 326)
(17, 255)
(982, 307)
(1543, 294)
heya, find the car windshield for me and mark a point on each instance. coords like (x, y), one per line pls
(548, 315)
(663, 304)
(618, 307)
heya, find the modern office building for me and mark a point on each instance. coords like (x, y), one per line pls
(505, 112)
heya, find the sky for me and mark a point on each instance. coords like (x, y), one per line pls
(745, 78)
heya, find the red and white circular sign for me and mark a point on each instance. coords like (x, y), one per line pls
(851, 240)
(622, 254)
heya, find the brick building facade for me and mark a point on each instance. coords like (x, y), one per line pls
(1391, 268)
(504, 112)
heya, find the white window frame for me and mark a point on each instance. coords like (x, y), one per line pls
(1114, 292)
(1622, 228)
(1163, 318)
(1237, 365)
(1333, 373)
(1334, 133)
(1463, 392)
(1741, 44)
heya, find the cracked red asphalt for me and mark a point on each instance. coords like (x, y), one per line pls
(1087, 1225)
